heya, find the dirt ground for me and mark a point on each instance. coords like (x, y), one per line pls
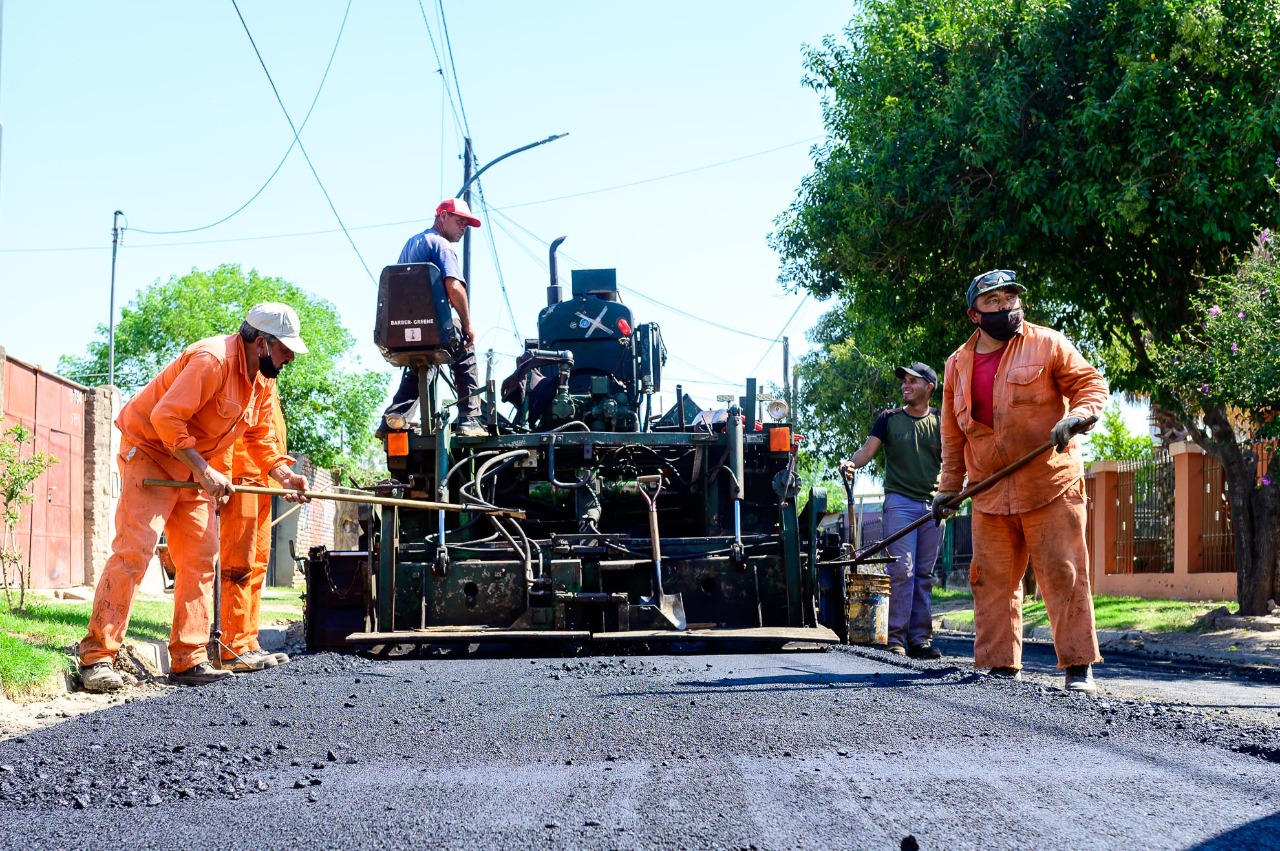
(65, 700)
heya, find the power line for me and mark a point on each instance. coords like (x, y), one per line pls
(439, 70)
(288, 151)
(444, 25)
(502, 281)
(665, 176)
(399, 223)
(802, 303)
(298, 139)
(648, 298)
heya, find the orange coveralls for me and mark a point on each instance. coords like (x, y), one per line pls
(1037, 512)
(203, 400)
(245, 537)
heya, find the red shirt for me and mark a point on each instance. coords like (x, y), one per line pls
(984, 381)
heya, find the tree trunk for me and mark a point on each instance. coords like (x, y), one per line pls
(1254, 513)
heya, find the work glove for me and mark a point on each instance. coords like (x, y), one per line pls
(1062, 432)
(939, 509)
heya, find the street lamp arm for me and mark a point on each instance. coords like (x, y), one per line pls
(494, 162)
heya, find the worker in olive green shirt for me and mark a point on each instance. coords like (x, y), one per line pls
(912, 441)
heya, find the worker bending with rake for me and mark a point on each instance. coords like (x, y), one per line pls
(1010, 388)
(244, 533)
(178, 427)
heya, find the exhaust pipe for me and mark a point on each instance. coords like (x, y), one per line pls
(555, 292)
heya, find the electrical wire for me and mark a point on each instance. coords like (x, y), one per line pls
(402, 223)
(633, 291)
(288, 151)
(298, 139)
(443, 79)
(502, 281)
(666, 176)
(802, 303)
(453, 68)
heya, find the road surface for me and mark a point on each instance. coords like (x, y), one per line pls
(846, 748)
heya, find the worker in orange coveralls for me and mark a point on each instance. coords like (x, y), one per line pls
(178, 427)
(1010, 388)
(245, 537)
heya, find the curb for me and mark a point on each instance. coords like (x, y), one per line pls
(1139, 644)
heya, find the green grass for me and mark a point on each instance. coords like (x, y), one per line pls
(39, 642)
(1110, 613)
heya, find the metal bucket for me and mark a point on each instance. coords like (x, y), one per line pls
(867, 608)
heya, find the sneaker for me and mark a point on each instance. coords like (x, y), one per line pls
(1080, 678)
(897, 649)
(1006, 673)
(250, 660)
(100, 678)
(924, 650)
(199, 675)
(469, 427)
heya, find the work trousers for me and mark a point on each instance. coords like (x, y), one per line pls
(911, 576)
(466, 383)
(245, 540)
(141, 514)
(1053, 537)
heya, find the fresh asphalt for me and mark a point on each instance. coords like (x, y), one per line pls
(847, 748)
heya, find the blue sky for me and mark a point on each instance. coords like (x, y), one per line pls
(162, 110)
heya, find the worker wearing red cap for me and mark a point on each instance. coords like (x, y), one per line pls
(1012, 387)
(180, 426)
(435, 245)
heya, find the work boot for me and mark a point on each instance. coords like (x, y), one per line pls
(1007, 673)
(250, 660)
(897, 649)
(469, 427)
(924, 650)
(1080, 678)
(198, 675)
(280, 656)
(100, 678)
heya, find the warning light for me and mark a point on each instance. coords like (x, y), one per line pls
(624, 326)
(398, 443)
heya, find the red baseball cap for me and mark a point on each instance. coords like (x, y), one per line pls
(459, 208)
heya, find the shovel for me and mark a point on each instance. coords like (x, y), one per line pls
(987, 483)
(670, 605)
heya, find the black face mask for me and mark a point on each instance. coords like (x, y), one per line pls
(1002, 325)
(267, 366)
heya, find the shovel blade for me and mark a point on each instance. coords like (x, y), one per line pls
(670, 606)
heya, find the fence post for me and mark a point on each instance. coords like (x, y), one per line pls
(1188, 502)
(1102, 520)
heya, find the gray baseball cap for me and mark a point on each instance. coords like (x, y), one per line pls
(997, 279)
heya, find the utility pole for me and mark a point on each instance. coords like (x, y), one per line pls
(786, 371)
(111, 320)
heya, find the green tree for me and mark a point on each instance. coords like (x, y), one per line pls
(1115, 153)
(1112, 440)
(18, 472)
(330, 406)
(1223, 377)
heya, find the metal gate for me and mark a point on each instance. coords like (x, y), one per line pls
(51, 535)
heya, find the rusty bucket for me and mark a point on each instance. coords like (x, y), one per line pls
(867, 607)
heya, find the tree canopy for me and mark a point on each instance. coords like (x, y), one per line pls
(1114, 153)
(329, 405)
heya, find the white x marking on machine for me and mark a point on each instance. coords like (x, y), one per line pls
(593, 324)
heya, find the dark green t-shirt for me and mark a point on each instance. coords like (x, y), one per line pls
(912, 452)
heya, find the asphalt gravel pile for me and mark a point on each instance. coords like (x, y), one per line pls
(845, 748)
